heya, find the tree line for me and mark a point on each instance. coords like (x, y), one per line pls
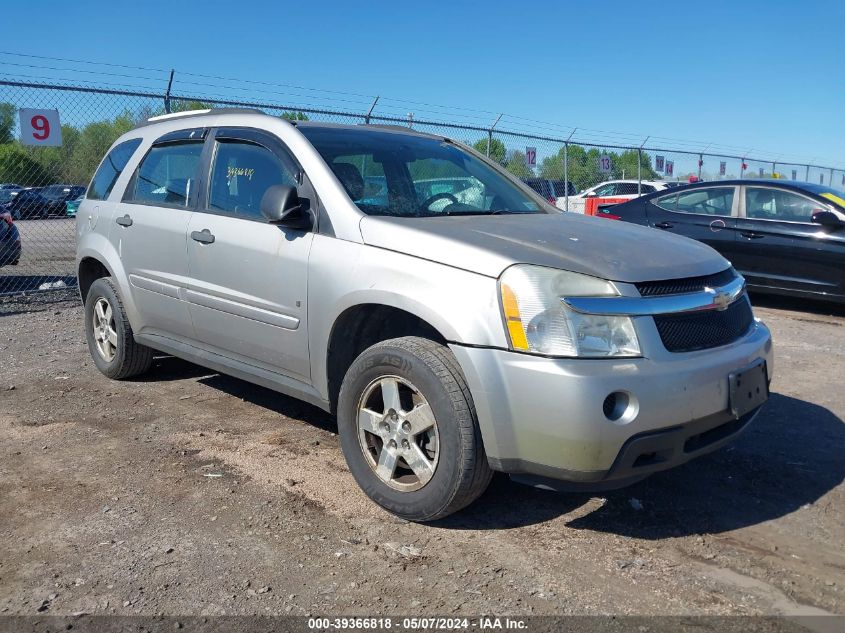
(82, 148)
(583, 165)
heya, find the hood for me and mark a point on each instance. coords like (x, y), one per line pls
(487, 244)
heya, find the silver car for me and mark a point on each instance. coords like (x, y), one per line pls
(452, 336)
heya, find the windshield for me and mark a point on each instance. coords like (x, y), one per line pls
(390, 173)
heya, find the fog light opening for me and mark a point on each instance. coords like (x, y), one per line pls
(620, 407)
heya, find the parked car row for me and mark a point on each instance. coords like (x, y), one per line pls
(40, 202)
(551, 190)
(783, 237)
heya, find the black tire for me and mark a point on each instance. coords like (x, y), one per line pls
(462, 473)
(130, 358)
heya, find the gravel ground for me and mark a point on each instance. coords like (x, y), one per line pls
(191, 493)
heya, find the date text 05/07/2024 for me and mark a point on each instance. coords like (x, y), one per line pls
(416, 624)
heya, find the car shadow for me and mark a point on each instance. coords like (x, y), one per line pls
(272, 401)
(791, 455)
(796, 304)
(168, 368)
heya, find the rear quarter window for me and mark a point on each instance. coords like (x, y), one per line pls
(111, 168)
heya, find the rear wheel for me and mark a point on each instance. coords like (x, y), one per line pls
(110, 339)
(409, 432)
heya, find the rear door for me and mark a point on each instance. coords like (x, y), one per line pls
(706, 214)
(780, 247)
(149, 231)
(248, 278)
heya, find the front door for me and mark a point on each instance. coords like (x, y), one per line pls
(781, 248)
(248, 278)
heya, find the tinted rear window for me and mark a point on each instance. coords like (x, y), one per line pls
(110, 170)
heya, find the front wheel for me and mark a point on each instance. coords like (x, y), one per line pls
(409, 431)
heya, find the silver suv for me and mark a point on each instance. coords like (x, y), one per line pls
(454, 321)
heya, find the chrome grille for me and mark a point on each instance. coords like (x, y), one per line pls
(687, 285)
(703, 330)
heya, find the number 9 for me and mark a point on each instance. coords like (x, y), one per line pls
(41, 126)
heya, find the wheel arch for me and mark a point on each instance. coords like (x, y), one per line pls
(362, 325)
(97, 258)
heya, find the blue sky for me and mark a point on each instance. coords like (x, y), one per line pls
(763, 76)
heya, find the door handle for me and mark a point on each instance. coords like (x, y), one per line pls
(203, 237)
(664, 225)
(124, 221)
(751, 235)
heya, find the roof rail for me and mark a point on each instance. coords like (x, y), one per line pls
(188, 113)
(390, 126)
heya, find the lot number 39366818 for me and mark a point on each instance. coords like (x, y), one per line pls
(40, 127)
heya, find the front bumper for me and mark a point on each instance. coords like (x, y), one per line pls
(545, 417)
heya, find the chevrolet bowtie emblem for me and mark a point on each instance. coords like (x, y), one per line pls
(721, 300)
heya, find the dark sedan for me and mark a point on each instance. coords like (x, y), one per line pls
(57, 197)
(42, 202)
(784, 237)
(28, 204)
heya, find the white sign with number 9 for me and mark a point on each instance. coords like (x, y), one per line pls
(40, 127)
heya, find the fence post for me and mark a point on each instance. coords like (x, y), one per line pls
(167, 94)
(490, 133)
(807, 174)
(639, 171)
(566, 170)
(640, 166)
(830, 182)
(741, 166)
(370, 111)
(774, 168)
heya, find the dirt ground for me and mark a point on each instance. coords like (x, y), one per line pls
(188, 492)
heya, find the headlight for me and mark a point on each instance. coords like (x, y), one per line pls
(538, 321)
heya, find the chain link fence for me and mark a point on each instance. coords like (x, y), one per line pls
(40, 186)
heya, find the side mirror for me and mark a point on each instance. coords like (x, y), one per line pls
(827, 218)
(591, 194)
(281, 205)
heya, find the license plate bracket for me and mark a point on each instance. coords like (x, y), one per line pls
(749, 388)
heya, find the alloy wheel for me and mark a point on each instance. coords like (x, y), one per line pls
(398, 433)
(105, 334)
